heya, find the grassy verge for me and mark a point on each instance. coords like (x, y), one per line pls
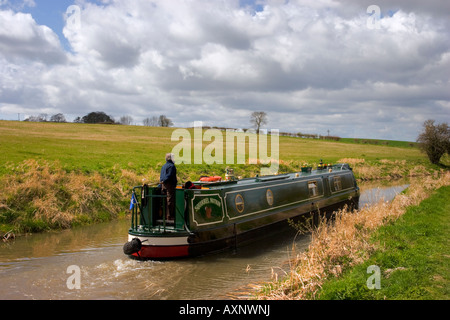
(412, 254)
(338, 247)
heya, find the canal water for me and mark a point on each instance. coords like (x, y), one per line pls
(37, 266)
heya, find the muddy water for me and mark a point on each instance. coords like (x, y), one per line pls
(36, 266)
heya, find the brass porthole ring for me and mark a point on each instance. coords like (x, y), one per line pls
(240, 205)
(269, 197)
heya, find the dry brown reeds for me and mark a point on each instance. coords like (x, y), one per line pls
(384, 169)
(343, 243)
(352, 161)
(41, 195)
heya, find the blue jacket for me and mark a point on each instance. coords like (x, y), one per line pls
(169, 173)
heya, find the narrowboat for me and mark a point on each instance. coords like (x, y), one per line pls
(213, 215)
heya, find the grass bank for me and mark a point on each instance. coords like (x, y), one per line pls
(408, 246)
(413, 256)
(38, 196)
(56, 175)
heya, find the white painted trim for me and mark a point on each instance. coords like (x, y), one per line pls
(161, 241)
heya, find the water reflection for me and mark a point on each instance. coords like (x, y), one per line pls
(375, 191)
(35, 267)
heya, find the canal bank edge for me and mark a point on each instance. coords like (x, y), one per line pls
(412, 258)
(339, 247)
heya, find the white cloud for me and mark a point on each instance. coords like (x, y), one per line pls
(22, 38)
(215, 61)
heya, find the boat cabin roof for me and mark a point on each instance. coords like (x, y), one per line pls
(295, 175)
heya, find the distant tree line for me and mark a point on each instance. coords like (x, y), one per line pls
(257, 119)
(100, 117)
(43, 117)
(317, 136)
(161, 121)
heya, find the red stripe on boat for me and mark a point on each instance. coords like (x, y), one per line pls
(154, 252)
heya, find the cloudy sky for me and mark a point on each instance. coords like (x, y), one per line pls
(312, 66)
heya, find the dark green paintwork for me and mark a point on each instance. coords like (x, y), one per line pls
(245, 204)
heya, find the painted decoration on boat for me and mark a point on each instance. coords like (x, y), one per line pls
(208, 209)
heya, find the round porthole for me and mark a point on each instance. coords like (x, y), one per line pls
(239, 201)
(269, 197)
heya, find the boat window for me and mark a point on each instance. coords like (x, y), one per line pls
(313, 189)
(239, 201)
(269, 197)
(337, 183)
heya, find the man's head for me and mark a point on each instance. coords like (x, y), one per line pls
(170, 157)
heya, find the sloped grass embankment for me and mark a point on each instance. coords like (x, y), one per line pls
(351, 240)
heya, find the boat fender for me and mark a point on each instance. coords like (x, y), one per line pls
(134, 246)
(211, 179)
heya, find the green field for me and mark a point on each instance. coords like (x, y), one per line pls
(83, 147)
(89, 148)
(58, 175)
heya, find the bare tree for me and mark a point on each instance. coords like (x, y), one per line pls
(32, 119)
(126, 120)
(165, 122)
(58, 118)
(40, 118)
(43, 117)
(258, 119)
(151, 122)
(435, 140)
